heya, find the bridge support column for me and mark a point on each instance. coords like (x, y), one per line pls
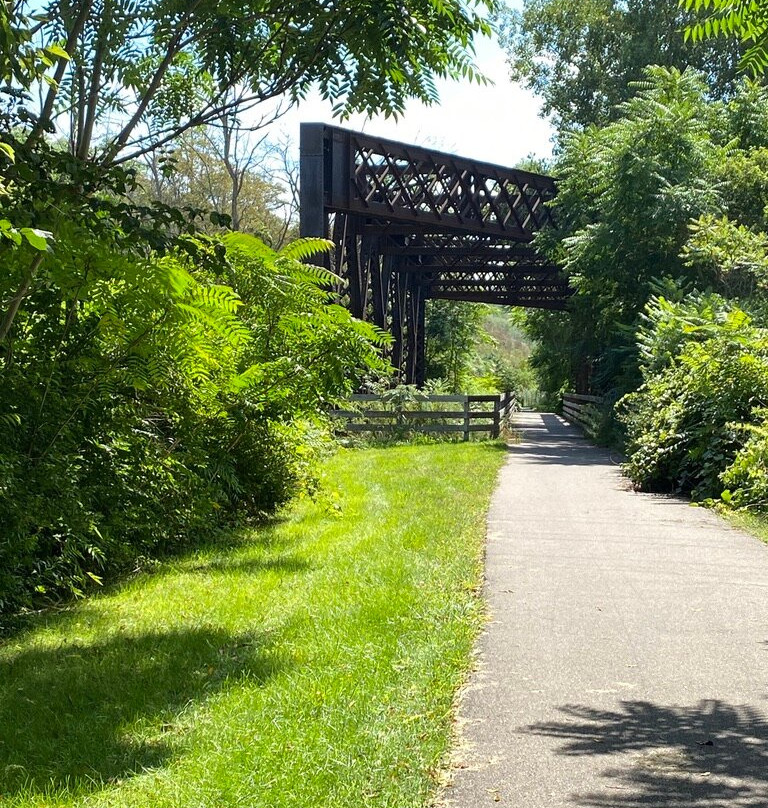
(415, 322)
(420, 374)
(314, 219)
(356, 272)
(398, 294)
(380, 270)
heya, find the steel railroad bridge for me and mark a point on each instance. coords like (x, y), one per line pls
(410, 224)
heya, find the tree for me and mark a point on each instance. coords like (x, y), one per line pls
(582, 55)
(642, 209)
(453, 330)
(158, 381)
(155, 68)
(245, 179)
(120, 79)
(742, 20)
(626, 195)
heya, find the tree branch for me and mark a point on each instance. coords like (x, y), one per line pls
(208, 115)
(175, 46)
(61, 67)
(86, 134)
(21, 293)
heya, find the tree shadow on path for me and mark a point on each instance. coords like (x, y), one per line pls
(711, 754)
(553, 442)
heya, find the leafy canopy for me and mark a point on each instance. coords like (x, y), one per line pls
(668, 198)
(582, 55)
(743, 20)
(626, 194)
(119, 78)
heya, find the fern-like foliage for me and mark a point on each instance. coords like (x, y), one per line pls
(306, 350)
(145, 398)
(305, 248)
(746, 20)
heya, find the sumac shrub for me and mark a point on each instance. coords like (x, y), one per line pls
(745, 481)
(144, 401)
(705, 370)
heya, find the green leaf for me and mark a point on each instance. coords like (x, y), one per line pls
(36, 238)
(7, 230)
(57, 51)
(304, 248)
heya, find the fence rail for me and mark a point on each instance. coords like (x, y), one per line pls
(582, 410)
(387, 416)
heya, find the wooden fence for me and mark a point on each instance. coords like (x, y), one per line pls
(438, 413)
(582, 410)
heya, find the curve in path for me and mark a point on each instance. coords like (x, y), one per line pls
(625, 664)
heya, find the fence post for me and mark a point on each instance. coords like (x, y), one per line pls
(496, 417)
(511, 405)
(466, 417)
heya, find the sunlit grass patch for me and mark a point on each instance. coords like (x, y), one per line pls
(754, 523)
(313, 663)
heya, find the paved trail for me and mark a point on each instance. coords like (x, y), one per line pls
(626, 661)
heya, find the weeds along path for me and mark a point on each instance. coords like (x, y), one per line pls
(626, 661)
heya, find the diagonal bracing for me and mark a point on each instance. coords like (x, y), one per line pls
(410, 224)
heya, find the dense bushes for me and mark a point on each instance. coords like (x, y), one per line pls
(628, 193)
(143, 399)
(705, 373)
(154, 383)
(664, 234)
(746, 479)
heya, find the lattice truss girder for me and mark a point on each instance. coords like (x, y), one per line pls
(484, 268)
(409, 224)
(405, 183)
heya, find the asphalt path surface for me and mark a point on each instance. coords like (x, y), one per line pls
(625, 662)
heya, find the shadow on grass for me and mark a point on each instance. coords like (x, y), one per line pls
(284, 564)
(220, 552)
(495, 445)
(710, 754)
(79, 716)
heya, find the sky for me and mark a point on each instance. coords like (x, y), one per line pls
(499, 123)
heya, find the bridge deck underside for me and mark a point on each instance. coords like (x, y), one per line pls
(479, 268)
(411, 224)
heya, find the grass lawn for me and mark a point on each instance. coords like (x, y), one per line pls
(313, 663)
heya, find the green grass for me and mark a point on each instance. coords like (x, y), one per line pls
(313, 663)
(754, 523)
